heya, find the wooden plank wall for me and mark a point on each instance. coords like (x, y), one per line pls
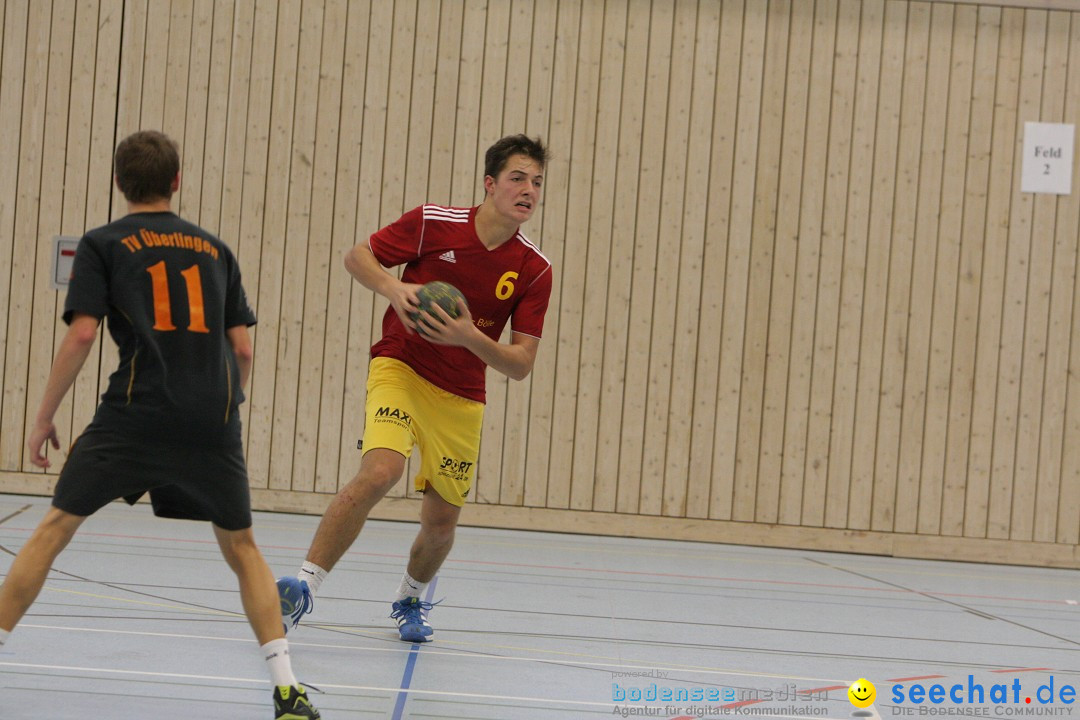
(799, 298)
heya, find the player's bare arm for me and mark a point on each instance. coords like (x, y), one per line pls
(240, 339)
(362, 265)
(515, 360)
(74, 349)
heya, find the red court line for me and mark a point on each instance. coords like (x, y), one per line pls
(917, 677)
(1020, 670)
(607, 571)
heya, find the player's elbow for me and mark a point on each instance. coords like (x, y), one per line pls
(245, 353)
(241, 344)
(352, 259)
(520, 371)
(83, 331)
(85, 335)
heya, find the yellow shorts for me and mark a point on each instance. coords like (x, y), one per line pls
(403, 410)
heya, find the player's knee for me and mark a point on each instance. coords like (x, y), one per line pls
(57, 528)
(438, 529)
(237, 547)
(377, 477)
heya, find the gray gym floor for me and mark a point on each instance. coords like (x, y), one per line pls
(141, 619)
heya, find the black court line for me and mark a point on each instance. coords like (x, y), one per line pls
(17, 513)
(961, 606)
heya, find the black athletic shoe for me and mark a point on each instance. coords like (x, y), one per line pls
(291, 703)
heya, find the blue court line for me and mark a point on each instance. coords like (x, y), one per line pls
(406, 679)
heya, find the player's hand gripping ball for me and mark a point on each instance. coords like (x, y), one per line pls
(435, 293)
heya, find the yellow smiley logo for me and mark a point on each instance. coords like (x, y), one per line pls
(862, 693)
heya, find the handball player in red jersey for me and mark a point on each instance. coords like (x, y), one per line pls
(426, 390)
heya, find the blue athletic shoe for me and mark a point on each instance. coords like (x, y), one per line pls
(296, 601)
(411, 616)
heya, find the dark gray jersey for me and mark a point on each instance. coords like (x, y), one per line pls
(169, 291)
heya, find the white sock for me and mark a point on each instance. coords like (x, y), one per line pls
(4, 635)
(276, 653)
(313, 575)
(410, 587)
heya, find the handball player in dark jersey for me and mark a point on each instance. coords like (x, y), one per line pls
(168, 422)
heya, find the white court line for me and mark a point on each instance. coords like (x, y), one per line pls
(571, 658)
(365, 688)
(262, 681)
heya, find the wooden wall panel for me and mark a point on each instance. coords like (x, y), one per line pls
(50, 196)
(955, 495)
(934, 484)
(708, 490)
(75, 195)
(1037, 387)
(926, 254)
(866, 486)
(588, 481)
(507, 474)
(27, 193)
(252, 212)
(1066, 519)
(587, 230)
(663, 419)
(13, 47)
(541, 382)
(493, 95)
(889, 492)
(684, 491)
(992, 281)
(787, 415)
(845, 501)
(798, 295)
(1010, 375)
(787, 372)
(807, 455)
(557, 202)
(725, 461)
(342, 408)
(108, 19)
(762, 249)
(610, 492)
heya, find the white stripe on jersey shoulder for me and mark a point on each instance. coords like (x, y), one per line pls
(528, 243)
(446, 214)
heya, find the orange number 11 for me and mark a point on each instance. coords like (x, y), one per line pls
(163, 306)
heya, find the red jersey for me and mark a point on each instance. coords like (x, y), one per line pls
(509, 283)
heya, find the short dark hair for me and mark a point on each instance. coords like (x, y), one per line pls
(497, 155)
(146, 163)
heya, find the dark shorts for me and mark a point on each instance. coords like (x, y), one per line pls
(187, 482)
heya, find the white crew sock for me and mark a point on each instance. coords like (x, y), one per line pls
(313, 575)
(276, 653)
(410, 587)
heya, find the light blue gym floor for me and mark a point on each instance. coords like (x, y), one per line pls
(140, 619)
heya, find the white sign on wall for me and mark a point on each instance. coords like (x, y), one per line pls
(63, 257)
(1048, 158)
